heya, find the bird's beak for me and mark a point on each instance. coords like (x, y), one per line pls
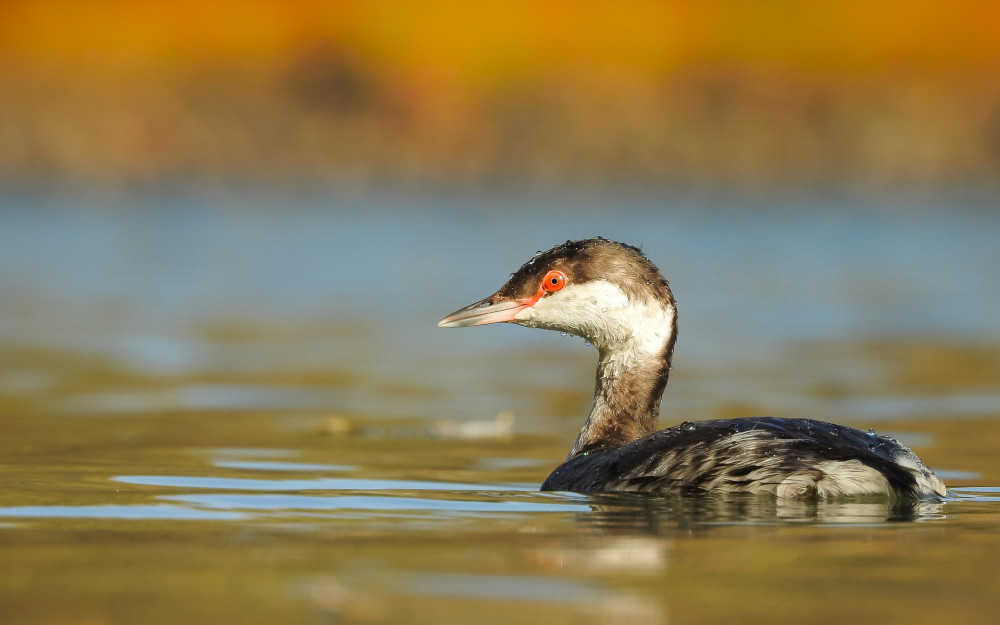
(489, 310)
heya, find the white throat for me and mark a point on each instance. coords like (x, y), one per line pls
(633, 336)
(627, 331)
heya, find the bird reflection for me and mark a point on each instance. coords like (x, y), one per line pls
(645, 514)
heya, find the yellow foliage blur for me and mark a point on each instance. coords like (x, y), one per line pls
(117, 90)
(496, 37)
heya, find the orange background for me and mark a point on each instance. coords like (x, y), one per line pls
(893, 90)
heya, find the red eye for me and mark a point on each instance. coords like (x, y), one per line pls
(553, 281)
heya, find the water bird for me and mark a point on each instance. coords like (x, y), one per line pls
(614, 297)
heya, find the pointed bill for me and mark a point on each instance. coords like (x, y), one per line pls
(484, 312)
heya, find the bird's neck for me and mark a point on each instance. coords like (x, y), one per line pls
(631, 377)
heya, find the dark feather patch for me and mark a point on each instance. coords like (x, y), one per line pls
(687, 458)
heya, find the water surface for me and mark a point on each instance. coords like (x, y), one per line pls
(239, 409)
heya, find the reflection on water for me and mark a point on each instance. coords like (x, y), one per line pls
(154, 512)
(654, 514)
(977, 493)
(213, 412)
(588, 600)
(285, 485)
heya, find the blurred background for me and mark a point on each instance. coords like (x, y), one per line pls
(745, 94)
(228, 230)
(243, 196)
(276, 201)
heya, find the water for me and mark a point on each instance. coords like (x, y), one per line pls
(239, 409)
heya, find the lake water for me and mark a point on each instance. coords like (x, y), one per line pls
(238, 408)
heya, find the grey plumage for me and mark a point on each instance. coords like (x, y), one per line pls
(784, 457)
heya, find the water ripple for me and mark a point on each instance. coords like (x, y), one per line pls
(326, 483)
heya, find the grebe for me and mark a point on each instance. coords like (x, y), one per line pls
(611, 295)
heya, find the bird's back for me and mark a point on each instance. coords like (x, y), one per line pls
(786, 457)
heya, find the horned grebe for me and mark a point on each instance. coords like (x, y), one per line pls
(611, 295)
